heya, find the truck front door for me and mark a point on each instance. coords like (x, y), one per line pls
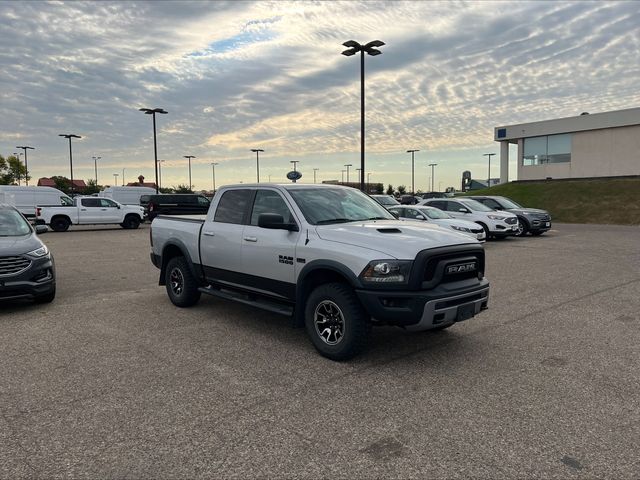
(89, 211)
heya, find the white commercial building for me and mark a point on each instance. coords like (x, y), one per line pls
(590, 145)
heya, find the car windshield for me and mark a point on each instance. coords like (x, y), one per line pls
(324, 206)
(506, 203)
(386, 200)
(475, 206)
(12, 224)
(434, 213)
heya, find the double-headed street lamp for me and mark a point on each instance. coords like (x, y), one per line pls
(153, 111)
(213, 175)
(489, 172)
(370, 48)
(348, 165)
(432, 177)
(413, 171)
(95, 167)
(189, 157)
(69, 136)
(115, 179)
(257, 152)
(26, 165)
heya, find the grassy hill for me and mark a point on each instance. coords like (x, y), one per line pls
(606, 201)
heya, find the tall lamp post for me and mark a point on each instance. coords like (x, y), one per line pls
(257, 152)
(69, 136)
(314, 174)
(153, 111)
(432, 174)
(189, 157)
(26, 165)
(95, 167)
(489, 172)
(295, 165)
(160, 162)
(348, 165)
(213, 175)
(413, 170)
(122, 182)
(370, 48)
(342, 171)
(115, 179)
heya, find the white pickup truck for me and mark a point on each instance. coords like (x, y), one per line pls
(90, 211)
(329, 256)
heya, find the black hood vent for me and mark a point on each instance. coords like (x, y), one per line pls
(389, 230)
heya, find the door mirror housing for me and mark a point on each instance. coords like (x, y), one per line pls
(419, 217)
(41, 229)
(273, 221)
(463, 210)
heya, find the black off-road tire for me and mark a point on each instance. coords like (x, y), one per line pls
(348, 315)
(182, 286)
(60, 224)
(131, 222)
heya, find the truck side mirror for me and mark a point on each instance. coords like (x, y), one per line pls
(275, 221)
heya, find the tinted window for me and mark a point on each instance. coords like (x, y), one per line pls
(90, 202)
(268, 201)
(233, 206)
(412, 213)
(454, 207)
(203, 201)
(489, 202)
(438, 204)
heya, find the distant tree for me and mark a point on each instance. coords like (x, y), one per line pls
(182, 189)
(390, 190)
(419, 192)
(62, 183)
(92, 187)
(402, 189)
(379, 188)
(12, 170)
(5, 179)
(166, 190)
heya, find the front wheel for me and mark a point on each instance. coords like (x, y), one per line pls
(60, 224)
(522, 228)
(182, 286)
(336, 322)
(131, 222)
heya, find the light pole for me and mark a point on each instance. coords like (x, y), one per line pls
(160, 162)
(115, 179)
(122, 182)
(342, 171)
(189, 157)
(348, 165)
(69, 136)
(368, 179)
(489, 173)
(153, 111)
(26, 165)
(358, 170)
(213, 175)
(370, 48)
(295, 164)
(432, 174)
(257, 150)
(95, 167)
(314, 174)
(413, 170)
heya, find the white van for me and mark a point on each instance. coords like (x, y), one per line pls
(25, 199)
(126, 195)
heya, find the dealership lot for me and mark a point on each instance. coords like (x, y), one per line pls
(112, 380)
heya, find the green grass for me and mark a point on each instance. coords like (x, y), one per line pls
(606, 201)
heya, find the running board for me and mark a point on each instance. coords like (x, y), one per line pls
(247, 300)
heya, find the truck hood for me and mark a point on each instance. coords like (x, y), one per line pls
(19, 245)
(393, 238)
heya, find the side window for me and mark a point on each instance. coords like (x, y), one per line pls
(203, 202)
(66, 201)
(233, 206)
(107, 203)
(411, 213)
(491, 203)
(439, 204)
(454, 206)
(268, 201)
(90, 202)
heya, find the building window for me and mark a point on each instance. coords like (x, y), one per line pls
(547, 149)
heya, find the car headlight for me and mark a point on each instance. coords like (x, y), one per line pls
(496, 217)
(387, 271)
(461, 229)
(39, 252)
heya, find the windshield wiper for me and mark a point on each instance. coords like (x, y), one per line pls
(334, 220)
(379, 218)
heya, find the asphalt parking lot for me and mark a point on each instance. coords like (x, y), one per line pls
(111, 380)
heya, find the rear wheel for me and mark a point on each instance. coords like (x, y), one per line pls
(131, 222)
(60, 224)
(182, 286)
(336, 322)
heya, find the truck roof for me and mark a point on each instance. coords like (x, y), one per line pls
(287, 186)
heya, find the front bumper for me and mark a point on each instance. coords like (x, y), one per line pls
(503, 229)
(538, 225)
(427, 309)
(37, 280)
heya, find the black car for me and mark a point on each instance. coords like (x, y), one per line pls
(27, 269)
(530, 220)
(427, 195)
(175, 204)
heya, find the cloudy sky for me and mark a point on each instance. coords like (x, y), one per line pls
(240, 75)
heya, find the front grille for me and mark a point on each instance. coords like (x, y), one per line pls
(511, 220)
(543, 218)
(13, 265)
(435, 269)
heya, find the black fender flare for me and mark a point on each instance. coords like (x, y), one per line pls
(173, 245)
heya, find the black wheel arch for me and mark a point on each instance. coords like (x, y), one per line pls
(61, 216)
(173, 249)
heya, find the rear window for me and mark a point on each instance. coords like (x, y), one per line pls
(233, 206)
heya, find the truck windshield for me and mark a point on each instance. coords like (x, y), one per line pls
(12, 224)
(324, 206)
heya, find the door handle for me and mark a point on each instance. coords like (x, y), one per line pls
(250, 239)
(103, 209)
(209, 234)
(83, 209)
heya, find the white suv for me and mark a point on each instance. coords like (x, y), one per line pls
(495, 224)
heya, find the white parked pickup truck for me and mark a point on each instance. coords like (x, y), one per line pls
(329, 256)
(90, 211)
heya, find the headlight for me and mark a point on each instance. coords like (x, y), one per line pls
(387, 271)
(496, 217)
(461, 229)
(39, 252)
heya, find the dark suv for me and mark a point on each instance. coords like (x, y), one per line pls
(175, 204)
(530, 220)
(27, 269)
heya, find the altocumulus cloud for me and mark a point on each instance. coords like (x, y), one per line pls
(240, 75)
